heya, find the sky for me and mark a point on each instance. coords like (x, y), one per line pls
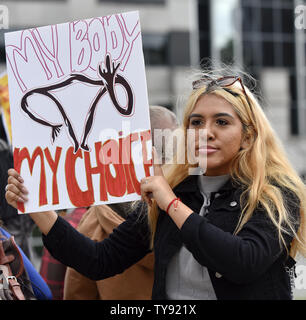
(223, 20)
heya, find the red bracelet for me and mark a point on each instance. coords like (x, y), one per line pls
(175, 205)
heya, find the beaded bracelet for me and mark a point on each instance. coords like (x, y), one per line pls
(175, 204)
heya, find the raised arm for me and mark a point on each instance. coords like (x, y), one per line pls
(96, 260)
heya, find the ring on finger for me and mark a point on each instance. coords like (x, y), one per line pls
(6, 187)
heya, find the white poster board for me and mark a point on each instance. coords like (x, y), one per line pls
(79, 112)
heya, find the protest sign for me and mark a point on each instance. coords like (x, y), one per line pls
(79, 111)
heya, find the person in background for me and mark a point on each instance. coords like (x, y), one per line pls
(98, 223)
(40, 288)
(20, 226)
(162, 121)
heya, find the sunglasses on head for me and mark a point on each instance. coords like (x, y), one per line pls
(223, 82)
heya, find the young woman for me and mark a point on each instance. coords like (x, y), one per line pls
(230, 233)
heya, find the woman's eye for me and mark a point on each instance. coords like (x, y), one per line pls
(221, 122)
(196, 122)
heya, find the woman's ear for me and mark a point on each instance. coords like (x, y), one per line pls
(246, 141)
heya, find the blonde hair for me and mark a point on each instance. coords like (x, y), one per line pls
(262, 167)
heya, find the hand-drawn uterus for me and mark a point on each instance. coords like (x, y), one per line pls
(110, 78)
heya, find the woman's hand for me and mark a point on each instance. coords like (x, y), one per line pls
(157, 187)
(17, 192)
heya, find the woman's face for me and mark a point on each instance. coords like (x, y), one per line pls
(224, 133)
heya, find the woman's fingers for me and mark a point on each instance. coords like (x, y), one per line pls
(12, 197)
(146, 194)
(15, 186)
(13, 181)
(13, 173)
(15, 190)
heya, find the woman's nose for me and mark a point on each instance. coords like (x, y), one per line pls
(210, 133)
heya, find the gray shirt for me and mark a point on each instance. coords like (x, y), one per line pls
(186, 278)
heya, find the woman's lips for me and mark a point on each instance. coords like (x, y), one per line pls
(207, 150)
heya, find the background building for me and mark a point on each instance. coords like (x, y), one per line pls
(258, 35)
(261, 36)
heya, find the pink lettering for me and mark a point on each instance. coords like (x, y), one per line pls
(97, 37)
(12, 52)
(45, 51)
(130, 38)
(114, 36)
(89, 42)
(80, 48)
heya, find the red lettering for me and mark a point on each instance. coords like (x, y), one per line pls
(125, 153)
(115, 167)
(19, 156)
(54, 166)
(133, 183)
(99, 169)
(116, 186)
(77, 197)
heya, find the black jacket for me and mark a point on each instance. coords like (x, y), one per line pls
(250, 265)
